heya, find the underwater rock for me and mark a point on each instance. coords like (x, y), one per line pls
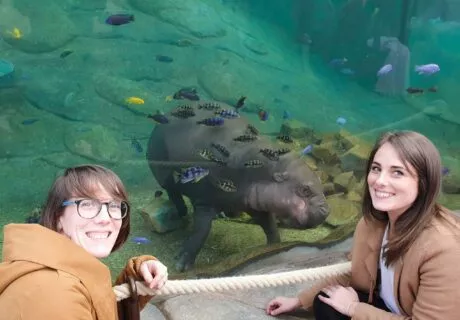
(355, 159)
(98, 143)
(299, 130)
(162, 216)
(47, 30)
(63, 160)
(198, 18)
(342, 211)
(6, 73)
(325, 153)
(255, 46)
(344, 181)
(117, 90)
(451, 181)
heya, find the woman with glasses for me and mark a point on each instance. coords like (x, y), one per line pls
(52, 270)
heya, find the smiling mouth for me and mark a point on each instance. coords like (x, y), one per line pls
(98, 235)
(383, 195)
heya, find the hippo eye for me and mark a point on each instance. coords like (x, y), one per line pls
(304, 191)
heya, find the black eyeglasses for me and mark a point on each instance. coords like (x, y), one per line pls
(90, 208)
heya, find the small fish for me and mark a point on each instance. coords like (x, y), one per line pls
(240, 103)
(445, 171)
(65, 53)
(221, 149)
(212, 122)
(187, 93)
(134, 100)
(384, 70)
(211, 106)
(162, 58)
(252, 130)
(158, 194)
(220, 162)
(338, 62)
(191, 174)
(158, 117)
(412, 90)
(286, 115)
(427, 69)
(140, 240)
(285, 138)
(341, 121)
(263, 115)
(169, 98)
(433, 89)
(29, 121)
(183, 113)
(226, 185)
(347, 71)
(16, 33)
(254, 164)
(205, 154)
(270, 154)
(136, 145)
(308, 149)
(227, 113)
(119, 19)
(283, 151)
(245, 138)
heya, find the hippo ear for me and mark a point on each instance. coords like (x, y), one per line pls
(281, 176)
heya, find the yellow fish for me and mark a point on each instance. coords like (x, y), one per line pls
(134, 100)
(168, 98)
(16, 33)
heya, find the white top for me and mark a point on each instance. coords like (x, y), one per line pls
(387, 281)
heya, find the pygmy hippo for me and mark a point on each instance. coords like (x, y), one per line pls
(211, 154)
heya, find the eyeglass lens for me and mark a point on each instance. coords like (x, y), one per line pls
(89, 208)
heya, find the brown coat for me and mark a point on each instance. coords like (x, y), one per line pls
(44, 275)
(427, 282)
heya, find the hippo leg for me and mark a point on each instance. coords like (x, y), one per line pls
(268, 223)
(202, 225)
(175, 196)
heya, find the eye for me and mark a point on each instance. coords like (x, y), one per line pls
(399, 173)
(375, 168)
(304, 191)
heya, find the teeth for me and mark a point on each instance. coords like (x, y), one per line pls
(381, 194)
(98, 235)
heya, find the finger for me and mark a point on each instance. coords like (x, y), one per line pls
(146, 274)
(326, 300)
(277, 310)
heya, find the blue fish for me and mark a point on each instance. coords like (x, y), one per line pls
(445, 171)
(212, 122)
(307, 149)
(194, 174)
(29, 121)
(384, 70)
(286, 115)
(158, 117)
(136, 145)
(341, 121)
(228, 113)
(119, 19)
(140, 240)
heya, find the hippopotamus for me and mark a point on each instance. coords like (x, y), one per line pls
(243, 172)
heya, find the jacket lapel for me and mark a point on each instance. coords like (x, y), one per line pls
(374, 242)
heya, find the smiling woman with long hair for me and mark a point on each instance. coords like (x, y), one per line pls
(406, 248)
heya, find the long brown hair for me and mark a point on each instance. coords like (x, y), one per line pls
(417, 150)
(84, 181)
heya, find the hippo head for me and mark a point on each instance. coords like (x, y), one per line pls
(295, 195)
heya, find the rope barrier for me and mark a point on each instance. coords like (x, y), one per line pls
(178, 287)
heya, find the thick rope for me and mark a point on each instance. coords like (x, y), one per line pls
(177, 287)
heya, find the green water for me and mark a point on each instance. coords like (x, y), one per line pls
(63, 104)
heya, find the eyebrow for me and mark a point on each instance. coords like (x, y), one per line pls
(393, 167)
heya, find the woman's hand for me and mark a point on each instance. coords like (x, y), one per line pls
(281, 305)
(155, 273)
(342, 299)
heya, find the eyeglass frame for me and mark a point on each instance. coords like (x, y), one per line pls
(77, 202)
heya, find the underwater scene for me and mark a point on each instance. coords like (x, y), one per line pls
(249, 106)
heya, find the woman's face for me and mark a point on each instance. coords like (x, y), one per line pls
(393, 185)
(96, 235)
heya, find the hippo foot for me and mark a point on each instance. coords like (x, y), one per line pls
(185, 262)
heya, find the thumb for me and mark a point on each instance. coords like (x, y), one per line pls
(146, 272)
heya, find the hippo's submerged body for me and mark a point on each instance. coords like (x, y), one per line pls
(266, 184)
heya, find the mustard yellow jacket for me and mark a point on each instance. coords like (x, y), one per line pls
(44, 275)
(427, 279)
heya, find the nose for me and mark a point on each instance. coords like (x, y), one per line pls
(381, 179)
(103, 216)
